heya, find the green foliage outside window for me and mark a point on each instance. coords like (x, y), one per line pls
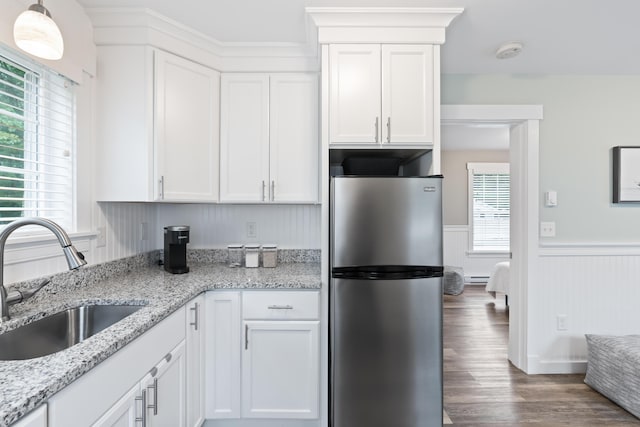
(12, 105)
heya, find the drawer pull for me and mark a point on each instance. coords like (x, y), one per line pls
(280, 307)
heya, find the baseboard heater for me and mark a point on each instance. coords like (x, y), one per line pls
(476, 280)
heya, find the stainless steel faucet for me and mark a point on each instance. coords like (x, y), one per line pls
(74, 258)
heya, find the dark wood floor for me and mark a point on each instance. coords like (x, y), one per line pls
(481, 388)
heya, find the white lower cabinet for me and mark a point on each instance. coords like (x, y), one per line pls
(157, 400)
(165, 385)
(223, 326)
(280, 366)
(263, 355)
(195, 358)
(148, 373)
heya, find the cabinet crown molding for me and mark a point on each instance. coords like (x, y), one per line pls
(382, 24)
(144, 26)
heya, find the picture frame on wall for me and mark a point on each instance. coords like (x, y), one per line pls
(626, 174)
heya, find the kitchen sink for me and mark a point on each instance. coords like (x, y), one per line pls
(60, 331)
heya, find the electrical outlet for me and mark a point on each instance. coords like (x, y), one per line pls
(252, 230)
(547, 229)
(561, 322)
(101, 238)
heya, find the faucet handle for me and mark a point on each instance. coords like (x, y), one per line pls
(15, 296)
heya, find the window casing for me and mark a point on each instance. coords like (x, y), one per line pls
(489, 207)
(37, 141)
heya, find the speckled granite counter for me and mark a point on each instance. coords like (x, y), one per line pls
(24, 385)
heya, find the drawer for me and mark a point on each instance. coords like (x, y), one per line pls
(280, 305)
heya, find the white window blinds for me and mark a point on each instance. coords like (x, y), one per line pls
(489, 206)
(37, 117)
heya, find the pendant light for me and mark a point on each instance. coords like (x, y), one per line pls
(35, 32)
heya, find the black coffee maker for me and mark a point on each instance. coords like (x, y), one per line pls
(176, 238)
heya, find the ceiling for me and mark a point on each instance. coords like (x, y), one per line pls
(559, 36)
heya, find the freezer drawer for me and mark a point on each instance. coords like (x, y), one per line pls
(386, 353)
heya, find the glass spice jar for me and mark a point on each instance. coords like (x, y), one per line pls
(269, 255)
(235, 255)
(251, 256)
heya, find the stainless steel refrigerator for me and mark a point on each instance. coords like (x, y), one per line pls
(386, 302)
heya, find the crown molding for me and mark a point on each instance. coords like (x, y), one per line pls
(143, 26)
(382, 24)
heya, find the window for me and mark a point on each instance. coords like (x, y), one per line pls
(37, 133)
(489, 206)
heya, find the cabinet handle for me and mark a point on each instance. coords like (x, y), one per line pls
(280, 307)
(246, 337)
(143, 418)
(195, 316)
(263, 189)
(273, 190)
(161, 189)
(388, 130)
(376, 128)
(155, 397)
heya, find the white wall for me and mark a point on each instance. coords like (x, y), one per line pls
(584, 116)
(590, 270)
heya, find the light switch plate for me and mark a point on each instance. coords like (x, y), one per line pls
(551, 199)
(547, 229)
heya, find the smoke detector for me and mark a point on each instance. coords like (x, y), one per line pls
(509, 50)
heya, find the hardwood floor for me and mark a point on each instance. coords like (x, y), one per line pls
(481, 388)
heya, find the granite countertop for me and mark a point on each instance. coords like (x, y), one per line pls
(24, 385)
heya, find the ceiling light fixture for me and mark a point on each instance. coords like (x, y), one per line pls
(509, 50)
(36, 33)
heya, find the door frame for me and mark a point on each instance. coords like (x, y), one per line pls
(524, 143)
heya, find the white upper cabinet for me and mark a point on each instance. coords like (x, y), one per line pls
(355, 93)
(244, 135)
(186, 129)
(157, 127)
(293, 138)
(382, 94)
(269, 138)
(407, 94)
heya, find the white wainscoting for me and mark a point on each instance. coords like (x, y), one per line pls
(597, 288)
(132, 228)
(216, 226)
(456, 253)
(29, 258)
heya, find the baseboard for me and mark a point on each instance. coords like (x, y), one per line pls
(537, 366)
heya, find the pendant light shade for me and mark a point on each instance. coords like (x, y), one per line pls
(35, 32)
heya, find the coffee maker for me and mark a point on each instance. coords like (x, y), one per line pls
(176, 238)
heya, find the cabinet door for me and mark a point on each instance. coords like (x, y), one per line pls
(186, 129)
(244, 137)
(195, 359)
(407, 94)
(354, 101)
(124, 413)
(223, 346)
(166, 391)
(280, 369)
(293, 136)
